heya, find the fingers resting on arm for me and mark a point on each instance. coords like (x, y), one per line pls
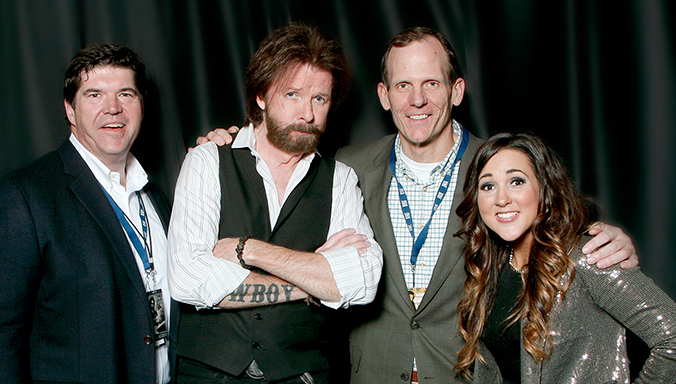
(345, 238)
(610, 246)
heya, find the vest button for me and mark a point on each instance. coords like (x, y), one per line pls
(147, 340)
(258, 316)
(415, 325)
(255, 346)
(404, 376)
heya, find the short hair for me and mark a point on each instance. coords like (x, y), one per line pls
(101, 55)
(283, 49)
(408, 36)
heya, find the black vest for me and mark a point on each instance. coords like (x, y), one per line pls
(284, 339)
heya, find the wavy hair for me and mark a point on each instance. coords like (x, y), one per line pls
(563, 217)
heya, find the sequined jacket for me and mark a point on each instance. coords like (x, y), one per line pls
(588, 331)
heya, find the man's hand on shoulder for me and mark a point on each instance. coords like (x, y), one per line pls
(220, 136)
(610, 246)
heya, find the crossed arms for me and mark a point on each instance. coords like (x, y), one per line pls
(204, 270)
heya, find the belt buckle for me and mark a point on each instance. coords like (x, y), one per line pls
(306, 378)
(254, 371)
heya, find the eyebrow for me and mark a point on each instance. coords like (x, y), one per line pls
(129, 89)
(126, 89)
(284, 90)
(513, 170)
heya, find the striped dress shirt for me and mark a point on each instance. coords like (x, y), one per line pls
(199, 278)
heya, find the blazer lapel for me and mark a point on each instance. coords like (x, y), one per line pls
(452, 249)
(91, 195)
(375, 187)
(159, 201)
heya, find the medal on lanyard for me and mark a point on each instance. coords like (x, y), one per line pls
(406, 210)
(144, 251)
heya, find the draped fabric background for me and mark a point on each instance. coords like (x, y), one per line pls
(596, 79)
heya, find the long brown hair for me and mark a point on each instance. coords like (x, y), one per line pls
(563, 216)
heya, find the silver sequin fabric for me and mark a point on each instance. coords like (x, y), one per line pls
(588, 331)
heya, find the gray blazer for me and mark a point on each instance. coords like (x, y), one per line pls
(389, 332)
(588, 331)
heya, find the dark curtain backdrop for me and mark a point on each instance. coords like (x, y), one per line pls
(596, 79)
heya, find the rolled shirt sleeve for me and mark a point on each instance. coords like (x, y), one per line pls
(196, 276)
(356, 275)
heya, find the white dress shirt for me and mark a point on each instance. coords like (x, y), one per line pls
(199, 278)
(126, 199)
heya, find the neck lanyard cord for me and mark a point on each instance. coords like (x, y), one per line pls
(144, 250)
(443, 188)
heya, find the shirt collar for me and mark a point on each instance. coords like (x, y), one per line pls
(137, 178)
(443, 165)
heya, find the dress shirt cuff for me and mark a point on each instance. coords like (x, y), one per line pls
(347, 271)
(222, 279)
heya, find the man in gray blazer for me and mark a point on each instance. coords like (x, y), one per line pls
(409, 334)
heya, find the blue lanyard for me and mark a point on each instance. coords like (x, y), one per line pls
(145, 256)
(443, 188)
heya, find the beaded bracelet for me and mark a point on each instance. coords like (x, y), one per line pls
(240, 250)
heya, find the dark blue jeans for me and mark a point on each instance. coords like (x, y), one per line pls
(194, 372)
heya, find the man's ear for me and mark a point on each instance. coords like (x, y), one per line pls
(260, 102)
(70, 112)
(458, 91)
(382, 95)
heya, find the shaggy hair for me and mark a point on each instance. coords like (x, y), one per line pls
(281, 51)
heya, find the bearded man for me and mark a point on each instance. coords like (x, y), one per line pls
(264, 226)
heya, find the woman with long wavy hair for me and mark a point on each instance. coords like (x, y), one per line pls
(534, 311)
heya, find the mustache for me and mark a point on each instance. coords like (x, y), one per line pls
(312, 129)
